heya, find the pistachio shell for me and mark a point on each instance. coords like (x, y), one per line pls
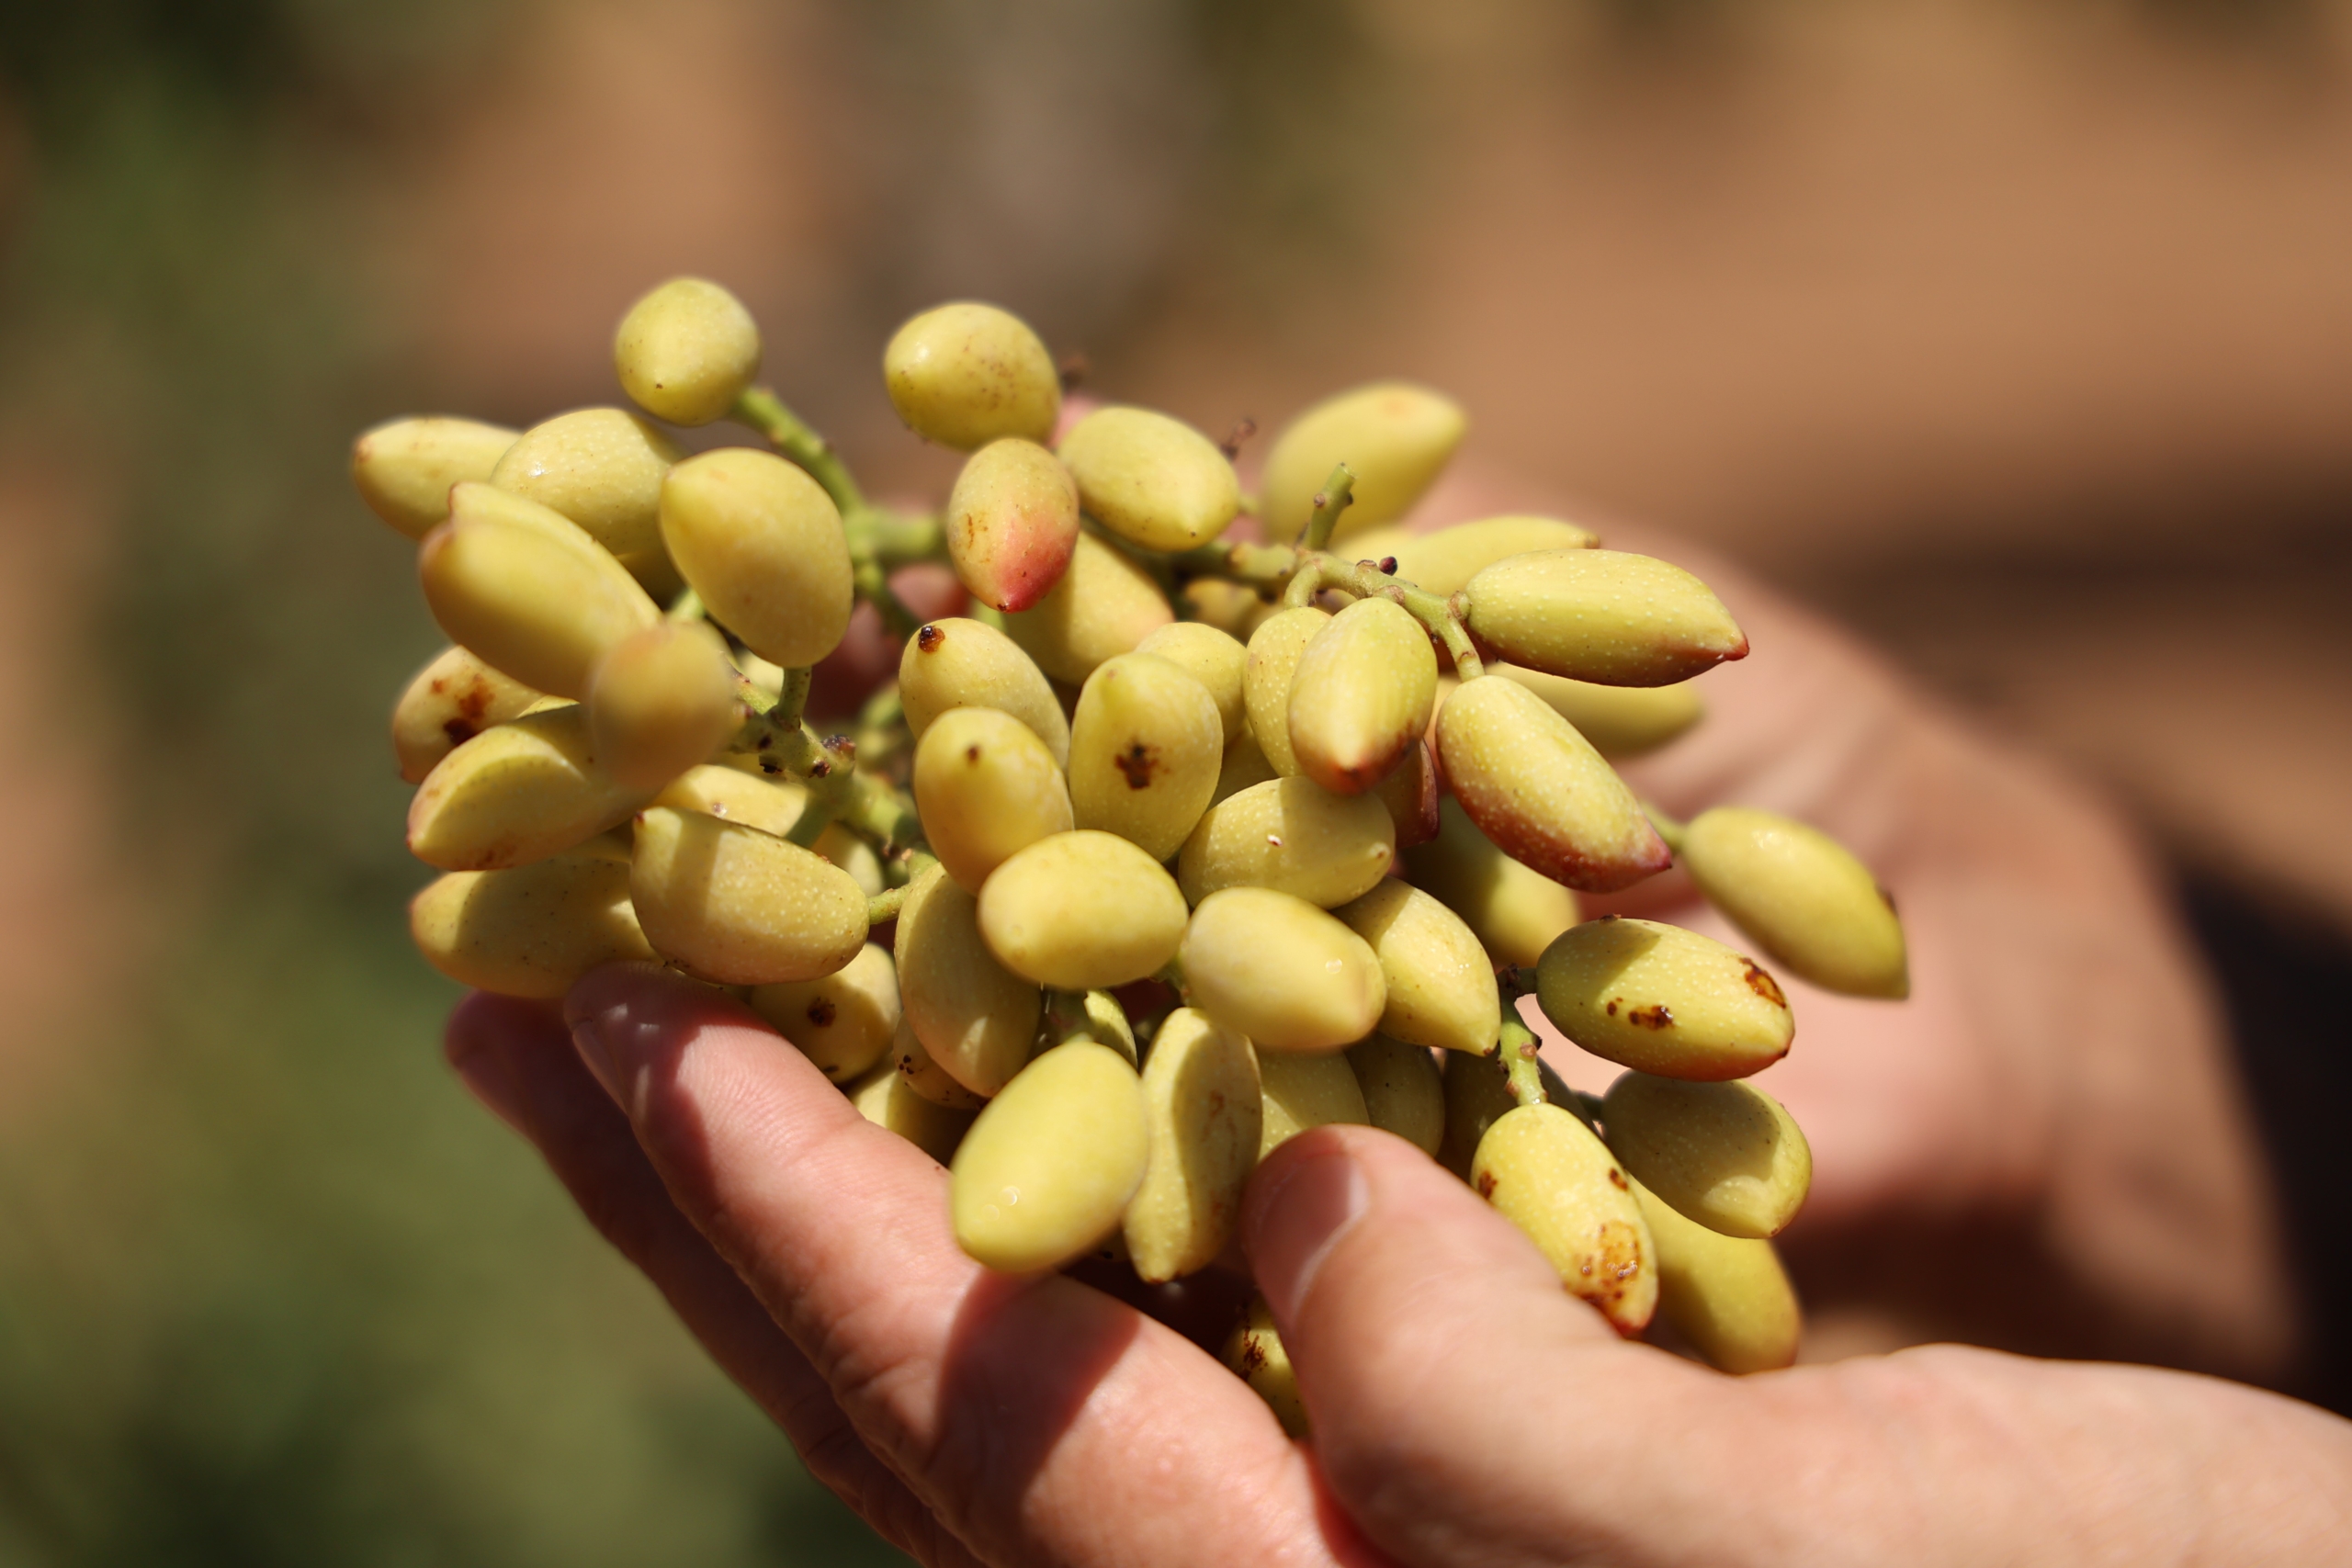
(1540, 792)
(1444, 560)
(976, 1019)
(601, 467)
(714, 790)
(1404, 1093)
(1044, 1173)
(1515, 911)
(1546, 1172)
(885, 1097)
(1620, 721)
(1395, 435)
(1254, 1352)
(1244, 765)
(1605, 616)
(1410, 796)
(1200, 1106)
(1103, 605)
(985, 787)
(1802, 897)
(686, 351)
(1730, 1298)
(738, 905)
(1724, 1154)
(1280, 970)
(1293, 836)
(1229, 608)
(1146, 747)
(922, 1076)
(1274, 651)
(1083, 911)
(662, 702)
(1663, 1000)
(530, 931)
(842, 1021)
(1300, 1090)
(1211, 657)
(1441, 984)
(959, 663)
(525, 790)
(1361, 695)
(1012, 523)
(404, 468)
(964, 375)
(1153, 480)
(763, 544)
(453, 698)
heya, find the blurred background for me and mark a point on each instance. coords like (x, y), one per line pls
(2018, 335)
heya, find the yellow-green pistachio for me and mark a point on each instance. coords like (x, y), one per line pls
(530, 931)
(1153, 480)
(1300, 1090)
(1293, 836)
(1211, 657)
(656, 573)
(1201, 1107)
(1103, 605)
(1604, 616)
(1361, 695)
(1230, 607)
(1404, 1093)
(662, 702)
(686, 351)
(842, 1021)
(1396, 436)
(1044, 1173)
(1441, 984)
(959, 663)
(923, 1076)
(975, 1017)
(763, 544)
(964, 375)
(1477, 1093)
(1620, 721)
(986, 786)
(453, 698)
(1730, 1298)
(738, 905)
(716, 790)
(1802, 897)
(1540, 792)
(1726, 1155)
(1544, 1171)
(518, 793)
(1083, 911)
(601, 467)
(528, 592)
(1245, 764)
(1274, 651)
(1254, 1352)
(1661, 999)
(1410, 796)
(885, 1097)
(1515, 911)
(1444, 561)
(1012, 523)
(1280, 970)
(1146, 748)
(403, 469)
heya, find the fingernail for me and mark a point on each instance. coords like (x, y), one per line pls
(593, 1032)
(1316, 1201)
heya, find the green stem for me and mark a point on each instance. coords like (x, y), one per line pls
(687, 607)
(1519, 1047)
(1668, 827)
(1318, 571)
(764, 411)
(1330, 501)
(872, 585)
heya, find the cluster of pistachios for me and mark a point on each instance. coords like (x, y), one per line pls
(1188, 836)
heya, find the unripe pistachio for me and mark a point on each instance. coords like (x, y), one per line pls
(1802, 897)
(1515, 911)
(1441, 984)
(1103, 605)
(1724, 1154)
(404, 468)
(885, 1097)
(1404, 1093)
(763, 544)
(1477, 1095)
(1300, 1090)
(1620, 721)
(1444, 560)
(1730, 1298)
(923, 1076)
(1229, 608)
(1604, 616)
(656, 573)
(453, 698)
(1293, 836)
(738, 905)
(519, 792)
(601, 467)
(1410, 795)
(1663, 1000)
(1083, 911)
(1361, 695)
(1280, 970)
(1540, 792)
(1044, 1173)
(1254, 1352)
(527, 591)
(959, 663)
(1244, 765)
(975, 1017)
(1214, 659)
(772, 806)
(1153, 480)
(1012, 523)
(530, 931)
(844, 1021)
(853, 855)
(1396, 436)
(662, 702)
(985, 787)
(1146, 748)
(1274, 651)
(686, 351)
(1201, 1107)
(964, 375)
(1546, 1172)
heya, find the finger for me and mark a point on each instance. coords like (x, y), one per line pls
(518, 1059)
(1041, 1419)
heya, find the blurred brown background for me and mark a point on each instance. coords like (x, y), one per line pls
(2018, 336)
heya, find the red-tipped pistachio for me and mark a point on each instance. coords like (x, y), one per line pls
(1361, 695)
(1012, 523)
